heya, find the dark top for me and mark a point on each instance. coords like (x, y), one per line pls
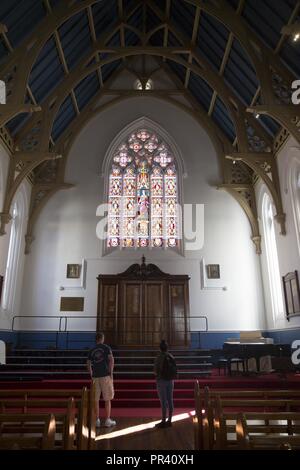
(99, 359)
(158, 365)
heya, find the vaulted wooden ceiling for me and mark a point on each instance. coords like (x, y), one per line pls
(232, 61)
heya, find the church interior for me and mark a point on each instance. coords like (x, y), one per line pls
(150, 190)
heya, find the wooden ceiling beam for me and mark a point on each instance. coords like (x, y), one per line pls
(94, 39)
(193, 41)
(283, 37)
(225, 58)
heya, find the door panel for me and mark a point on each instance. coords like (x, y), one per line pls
(178, 315)
(155, 321)
(131, 331)
(108, 319)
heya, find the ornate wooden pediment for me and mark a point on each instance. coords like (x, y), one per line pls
(144, 271)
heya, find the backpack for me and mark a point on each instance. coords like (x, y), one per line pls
(169, 368)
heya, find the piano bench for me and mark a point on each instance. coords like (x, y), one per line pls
(223, 364)
(236, 361)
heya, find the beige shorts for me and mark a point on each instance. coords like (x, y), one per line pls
(105, 386)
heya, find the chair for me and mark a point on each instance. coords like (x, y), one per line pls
(237, 361)
(223, 364)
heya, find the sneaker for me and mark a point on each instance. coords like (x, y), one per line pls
(98, 423)
(109, 422)
(162, 424)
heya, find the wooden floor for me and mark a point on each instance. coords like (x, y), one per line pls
(178, 437)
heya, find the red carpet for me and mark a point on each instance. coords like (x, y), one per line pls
(139, 397)
(141, 412)
(272, 380)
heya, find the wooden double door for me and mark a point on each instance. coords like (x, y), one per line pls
(141, 310)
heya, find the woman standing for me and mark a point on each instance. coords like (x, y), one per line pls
(166, 371)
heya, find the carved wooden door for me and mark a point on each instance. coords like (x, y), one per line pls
(143, 305)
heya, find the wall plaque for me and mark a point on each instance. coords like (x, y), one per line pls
(71, 304)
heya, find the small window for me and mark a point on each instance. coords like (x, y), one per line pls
(13, 246)
(2, 92)
(272, 257)
(294, 188)
(138, 85)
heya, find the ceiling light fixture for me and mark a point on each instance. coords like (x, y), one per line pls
(292, 30)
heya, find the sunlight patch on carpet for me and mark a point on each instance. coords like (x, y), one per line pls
(142, 427)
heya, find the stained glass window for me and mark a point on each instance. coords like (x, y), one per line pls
(143, 194)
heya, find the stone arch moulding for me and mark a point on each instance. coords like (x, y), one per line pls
(264, 165)
(22, 201)
(145, 122)
(155, 127)
(16, 175)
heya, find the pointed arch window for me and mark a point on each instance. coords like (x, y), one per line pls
(272, 257)
(294, 183)
(143, 208)
(9, 278)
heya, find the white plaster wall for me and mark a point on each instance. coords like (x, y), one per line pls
(7, 314)
(4, 239)
(66, 230)
(287, 247)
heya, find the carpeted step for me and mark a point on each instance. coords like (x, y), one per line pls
(150, 402)
(150, 393)
(130, 364)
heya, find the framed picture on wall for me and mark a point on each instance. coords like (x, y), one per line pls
(291, 294)
(213, 271)
(73, 271)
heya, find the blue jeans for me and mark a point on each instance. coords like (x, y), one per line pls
(165, 392)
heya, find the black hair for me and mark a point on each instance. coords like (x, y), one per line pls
(99, 336)
(163, 346)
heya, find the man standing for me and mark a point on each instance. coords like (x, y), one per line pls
(100, 365)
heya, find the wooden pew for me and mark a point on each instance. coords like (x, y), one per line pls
(69, 426)
(66, 429)
(92, 419)
(214, 405)
(197, 419)
(44, 440)
(238, 398)
(40, 399)
(263, 393)
(202, 433)
(222, 429)
(246, 441)
(82, 428)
